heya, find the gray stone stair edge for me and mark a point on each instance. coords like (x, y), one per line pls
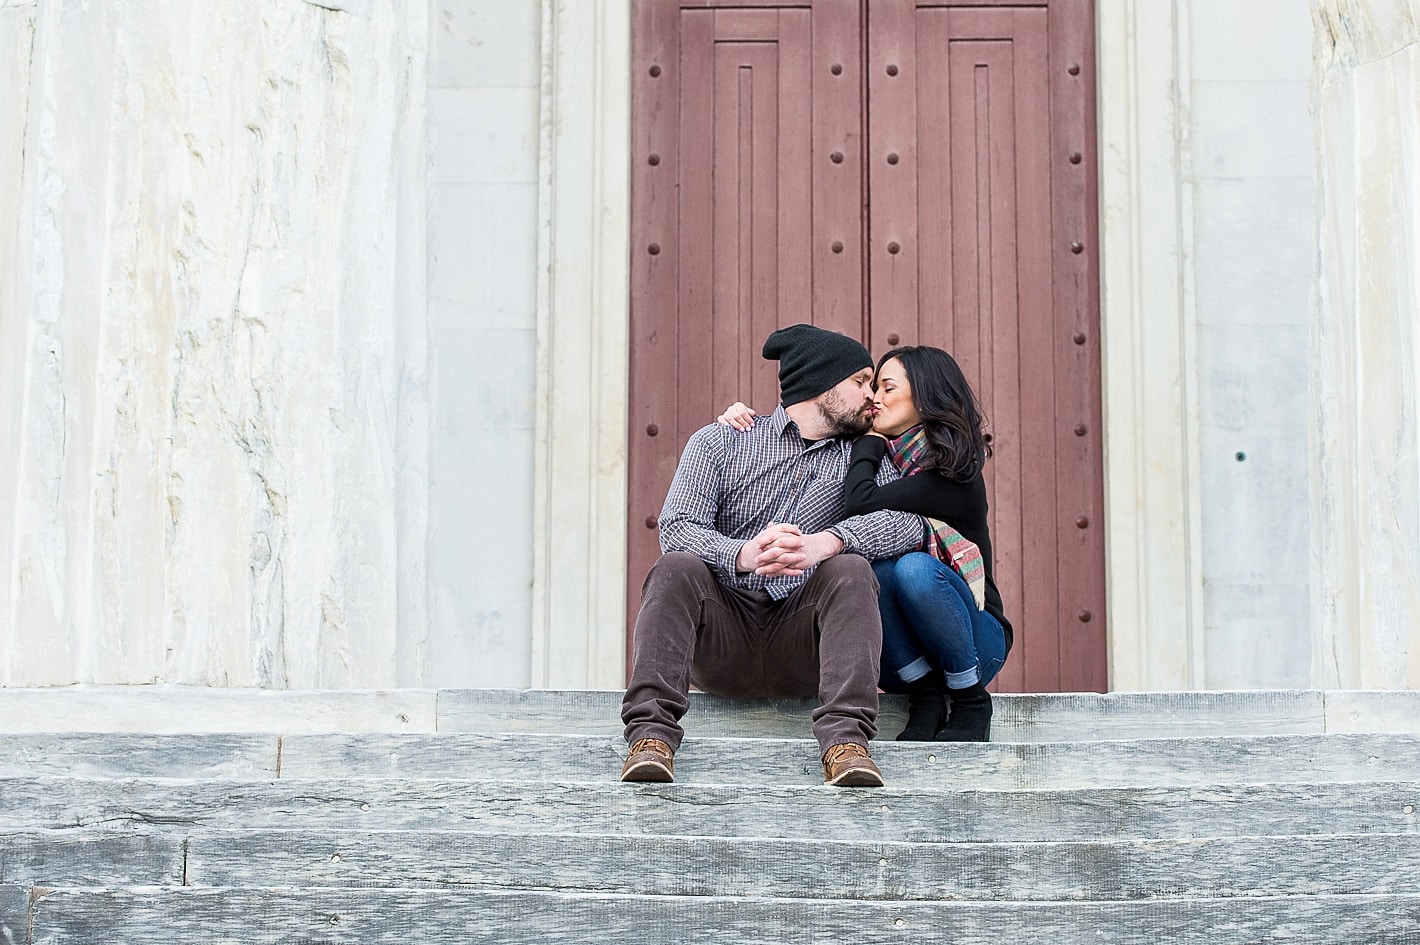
(64, 916)
(1201, 760)
(727, 811)
(1225, 868)
(1036, 717)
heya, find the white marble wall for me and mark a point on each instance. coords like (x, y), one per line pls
(268, 293)
(1248, 198)
(484, 75)
(1366, 345)
(212, 341)
(1206, 267)
(579, 499)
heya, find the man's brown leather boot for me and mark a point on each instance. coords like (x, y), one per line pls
(850, 765)
(650, 759)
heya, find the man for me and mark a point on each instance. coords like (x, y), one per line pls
(761, 590)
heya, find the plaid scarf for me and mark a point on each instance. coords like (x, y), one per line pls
(941, 540)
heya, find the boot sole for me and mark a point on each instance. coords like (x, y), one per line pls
(857, 777)
(648, 772)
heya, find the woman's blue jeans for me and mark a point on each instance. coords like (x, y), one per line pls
(930, 621)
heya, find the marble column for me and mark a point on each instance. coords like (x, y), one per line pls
(212, 320)
(1366, 345)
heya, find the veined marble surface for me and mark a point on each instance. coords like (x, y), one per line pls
(212, 324)
(1366, 345)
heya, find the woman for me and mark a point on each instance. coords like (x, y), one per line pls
(943, 642)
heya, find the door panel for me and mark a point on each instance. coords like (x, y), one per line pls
(753, 201)
(973, 96)
(905, 172)
(657, 262)
(974, 114)
(1081, 642)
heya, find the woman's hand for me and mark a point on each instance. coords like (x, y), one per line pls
(737, 415)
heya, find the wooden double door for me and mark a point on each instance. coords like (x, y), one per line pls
(905, 172)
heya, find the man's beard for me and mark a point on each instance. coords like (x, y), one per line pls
(842, 419)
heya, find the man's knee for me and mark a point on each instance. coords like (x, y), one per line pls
(849, 569)
(676, 569)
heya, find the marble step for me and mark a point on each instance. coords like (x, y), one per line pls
(823, 868)
(717, 760)
(92, 857)
(1037, 718)
(943, 814)
(143, 755)
(78, 916)
(711, 760)
(1372, 864)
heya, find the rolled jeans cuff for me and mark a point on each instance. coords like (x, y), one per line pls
(915, 670)
(964, 679)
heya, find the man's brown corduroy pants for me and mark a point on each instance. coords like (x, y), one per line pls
(824, 639)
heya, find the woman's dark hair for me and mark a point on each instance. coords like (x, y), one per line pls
(951, 417)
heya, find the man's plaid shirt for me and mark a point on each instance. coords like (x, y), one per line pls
(731, 485)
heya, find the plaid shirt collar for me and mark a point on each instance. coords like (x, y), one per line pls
(783, 424)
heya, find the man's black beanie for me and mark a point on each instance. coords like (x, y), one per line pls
(811, 360)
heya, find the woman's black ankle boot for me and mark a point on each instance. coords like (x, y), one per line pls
(969, 719)
(926, 708)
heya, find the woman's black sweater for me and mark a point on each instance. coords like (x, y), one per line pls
(961, 505)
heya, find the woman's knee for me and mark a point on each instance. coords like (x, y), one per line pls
(923, 571)
(917, 569)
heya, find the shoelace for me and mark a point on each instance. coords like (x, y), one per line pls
(653, 745)
(836, 753)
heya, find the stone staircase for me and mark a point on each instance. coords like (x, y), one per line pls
(161, 814)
